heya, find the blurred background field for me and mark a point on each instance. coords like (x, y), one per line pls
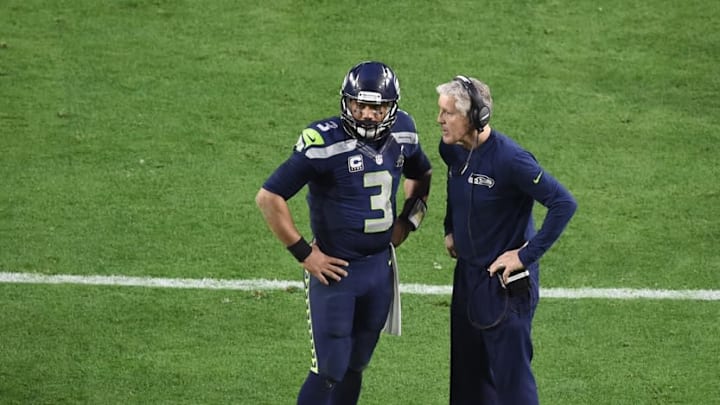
(135, 134)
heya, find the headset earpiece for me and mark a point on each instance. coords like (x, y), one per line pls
(479, 113)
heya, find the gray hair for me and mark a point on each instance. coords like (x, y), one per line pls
(462, 98)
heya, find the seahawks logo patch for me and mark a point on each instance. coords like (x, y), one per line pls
(481, 180)
(309, 137)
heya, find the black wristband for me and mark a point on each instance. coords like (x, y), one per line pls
(300, 249)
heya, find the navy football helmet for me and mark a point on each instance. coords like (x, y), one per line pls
(369, 83)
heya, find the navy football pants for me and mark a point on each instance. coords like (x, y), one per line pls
(348, 316)
(491, 347)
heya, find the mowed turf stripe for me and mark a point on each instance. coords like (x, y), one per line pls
(420, 289)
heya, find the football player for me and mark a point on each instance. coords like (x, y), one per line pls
(353, 165)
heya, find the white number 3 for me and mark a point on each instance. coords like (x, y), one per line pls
(379, 201)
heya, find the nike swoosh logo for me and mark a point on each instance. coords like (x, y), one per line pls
(536, 180)
(310, 138)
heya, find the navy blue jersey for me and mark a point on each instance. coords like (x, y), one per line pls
(351, 185)
(489, 208)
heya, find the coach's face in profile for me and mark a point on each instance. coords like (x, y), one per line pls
(454, 124)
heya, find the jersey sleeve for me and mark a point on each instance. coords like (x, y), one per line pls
(417, 164)
(291, 176)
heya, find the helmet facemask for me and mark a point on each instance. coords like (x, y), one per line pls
(373, 84)
(368, 130)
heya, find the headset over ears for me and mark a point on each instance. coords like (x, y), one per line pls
(479, 113)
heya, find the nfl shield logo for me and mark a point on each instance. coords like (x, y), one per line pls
(378, 159)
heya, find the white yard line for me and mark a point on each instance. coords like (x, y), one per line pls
(421, 289)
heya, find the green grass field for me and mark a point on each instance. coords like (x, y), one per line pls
(134, 135)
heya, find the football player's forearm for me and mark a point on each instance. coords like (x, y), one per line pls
(277, 215)
(400, 232)
(416, 193)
